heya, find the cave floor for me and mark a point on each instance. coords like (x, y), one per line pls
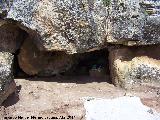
(64, 96)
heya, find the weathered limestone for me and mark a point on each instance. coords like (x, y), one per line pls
(73, 26)
(35, 62)
(131, 66)
(11, 37)
(7, 84)
(134, 22)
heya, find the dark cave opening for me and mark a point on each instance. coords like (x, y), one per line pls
(17, 71)
(94, 64)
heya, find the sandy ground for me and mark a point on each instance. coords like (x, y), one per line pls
(64, 97)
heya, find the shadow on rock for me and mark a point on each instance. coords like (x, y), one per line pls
(13, 98)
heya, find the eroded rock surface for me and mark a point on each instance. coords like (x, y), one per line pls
(78, 26)
(134, 22)
(63, 25)
(135, 65)
(35, 62)
(85, 25)
(11, 37)
(7, 84)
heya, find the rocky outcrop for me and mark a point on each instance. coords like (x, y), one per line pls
(11, 37)
(134, 22)
(62, 25)
(35, 62)
(57, 28)
(82, 25)
(7, 84)
(134, 65)
(86, 25)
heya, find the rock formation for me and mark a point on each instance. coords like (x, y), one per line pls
(58, 28)
(35, 62)
(85, 25)
(134, 65)
(7, 84)
(134, 22)
(11, 37)
(67, 25)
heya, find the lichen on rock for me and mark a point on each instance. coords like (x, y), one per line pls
(132, 24)
(131, 66)
(7, 84)
(63, 25)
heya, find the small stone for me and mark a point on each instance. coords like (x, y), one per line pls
(97, 72)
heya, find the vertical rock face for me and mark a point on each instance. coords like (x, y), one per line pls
(134, 22)
(134, 65)
(35, 62)
(72, 26)
(11, 37)
(7, 84)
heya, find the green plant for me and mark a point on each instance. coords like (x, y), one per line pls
(107, 2)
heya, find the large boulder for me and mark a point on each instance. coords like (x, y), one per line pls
(76, 26)
(73, 26)
(134, 66)
(7, 84)
(35, 62)
(11, 37)
(134, 22)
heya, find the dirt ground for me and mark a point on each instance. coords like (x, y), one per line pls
(63, 97)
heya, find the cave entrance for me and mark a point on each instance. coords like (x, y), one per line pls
(93, 64)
